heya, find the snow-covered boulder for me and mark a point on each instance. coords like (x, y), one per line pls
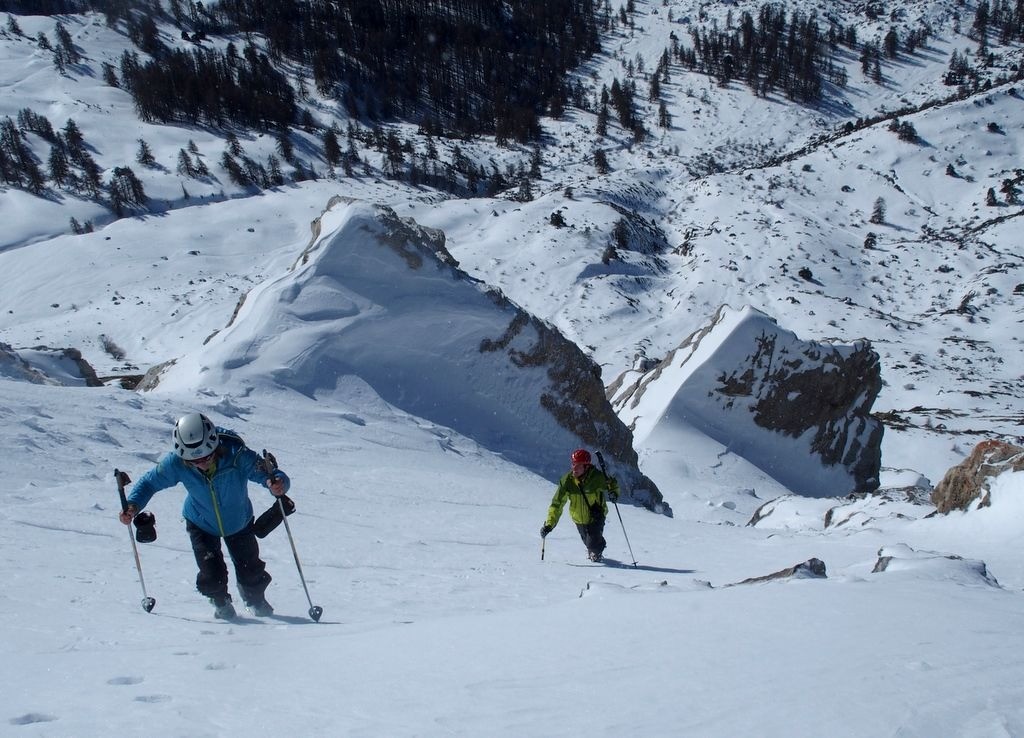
(44, 365)
(813, 568)
(933, 565)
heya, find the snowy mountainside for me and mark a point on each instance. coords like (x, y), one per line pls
(420, 544)
(935, 284)
(380, 299)
(725, 206)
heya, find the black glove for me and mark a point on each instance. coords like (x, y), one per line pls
(613, 495)
(145, 527)
(545, 530)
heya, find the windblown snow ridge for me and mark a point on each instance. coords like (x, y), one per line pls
(379, 297)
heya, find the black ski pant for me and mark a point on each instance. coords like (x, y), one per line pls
(592, 534)
(250, 571)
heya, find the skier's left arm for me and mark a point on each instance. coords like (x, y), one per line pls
(257, 470)
(613, 488)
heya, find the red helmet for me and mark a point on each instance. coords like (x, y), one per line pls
(580, 456)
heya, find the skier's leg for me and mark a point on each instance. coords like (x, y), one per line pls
(212, 579)
(583, 534)
(587, 536)
(592, 534)
(250, 570)
(597, 540)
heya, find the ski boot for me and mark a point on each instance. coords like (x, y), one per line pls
(223, 609)
(260, 608)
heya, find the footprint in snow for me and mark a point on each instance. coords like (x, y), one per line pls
(153, 698)
(32, 717)
(125, 681)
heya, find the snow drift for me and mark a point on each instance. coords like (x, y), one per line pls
(379, 298)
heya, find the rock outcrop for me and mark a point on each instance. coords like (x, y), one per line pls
(811, 569)
(45, 365)
(770, 397)
(968, 480)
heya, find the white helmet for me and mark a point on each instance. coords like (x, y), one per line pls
(194, 437)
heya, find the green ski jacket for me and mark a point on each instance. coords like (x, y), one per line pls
(581, 494)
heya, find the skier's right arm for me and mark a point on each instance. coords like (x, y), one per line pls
(165, 474)
(555, 509)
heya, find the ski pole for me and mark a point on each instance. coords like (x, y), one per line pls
(148, 603)
(542, 540)
(604, 471)
(315, 611)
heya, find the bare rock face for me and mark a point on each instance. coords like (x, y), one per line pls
(816, 389)
(576, 398)
(968, 481)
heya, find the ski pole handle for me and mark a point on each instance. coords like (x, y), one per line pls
(607, 481)
(122, 480)
(269, 461)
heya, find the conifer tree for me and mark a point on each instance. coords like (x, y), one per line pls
(185, 167)
(332, 148)
(73, 140)
(110, 75)
(283, 144)
(200, 167)
(57, 163)
(92, 180)
(601, 129)
(66, 44)
(878, 211)
(125, 187)
(274, 174)
(145, 155)
(664, 117)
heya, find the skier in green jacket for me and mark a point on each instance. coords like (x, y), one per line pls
(584, 487)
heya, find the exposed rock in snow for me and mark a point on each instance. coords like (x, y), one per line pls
(969, 480)
(902, 558)
(44, 365)
(768, 397)
(813, 568)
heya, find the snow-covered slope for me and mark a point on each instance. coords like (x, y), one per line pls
(378, 300)
(421, 544)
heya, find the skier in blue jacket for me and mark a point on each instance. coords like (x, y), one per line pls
(215, 467)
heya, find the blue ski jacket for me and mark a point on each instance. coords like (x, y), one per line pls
(219, 504)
